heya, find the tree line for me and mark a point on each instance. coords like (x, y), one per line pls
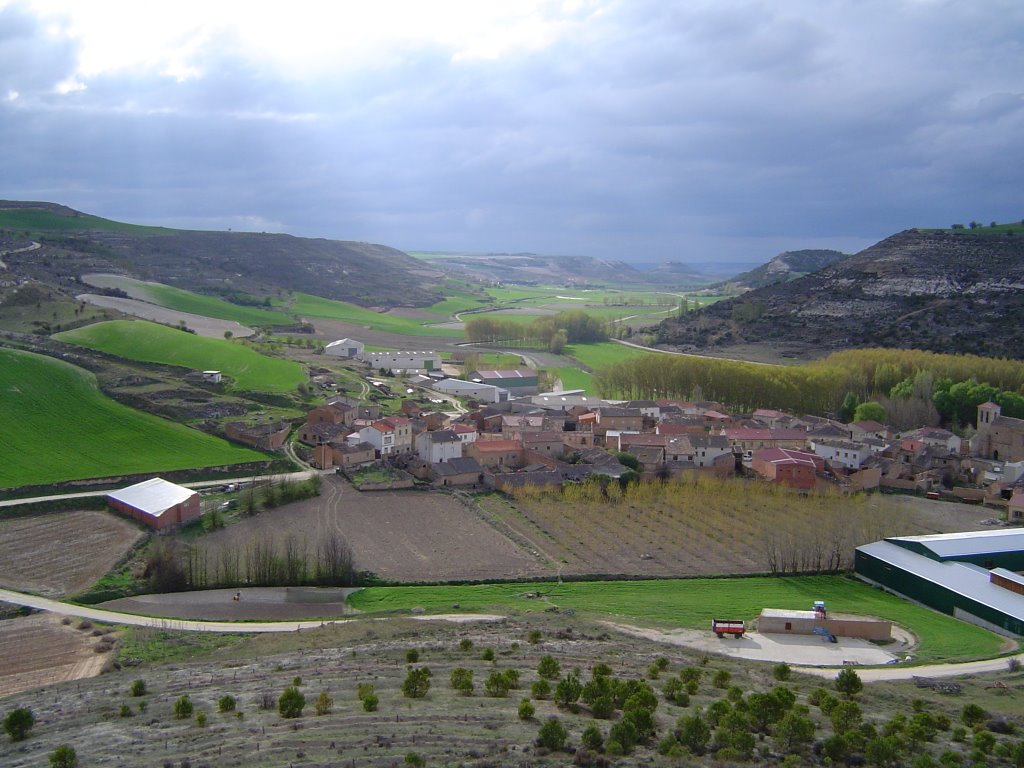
(552, 331)
(821, 386)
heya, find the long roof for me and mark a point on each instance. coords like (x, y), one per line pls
(154, 497)
(951, 545)
(965, 579)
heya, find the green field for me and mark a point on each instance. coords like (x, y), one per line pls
(57, 425)
(307, 305)
(574, 378)
(37, 220)
(603, 353)
(209, 306)
(153, 343)
(692, 603)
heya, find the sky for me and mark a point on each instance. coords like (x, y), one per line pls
(639, 130)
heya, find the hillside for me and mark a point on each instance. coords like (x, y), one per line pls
(258, 263)
(786, 266)
(537, 269)
(934, 290)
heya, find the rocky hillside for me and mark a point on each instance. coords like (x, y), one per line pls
(258, 263)
(786, 266)
(941, 291)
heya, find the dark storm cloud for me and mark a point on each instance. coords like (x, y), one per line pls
(651, 130)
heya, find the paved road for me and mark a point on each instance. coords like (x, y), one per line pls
(133, 620)
(895, 672)
(203, 484)
(114, 617)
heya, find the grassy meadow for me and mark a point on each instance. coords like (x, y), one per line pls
(692, 603)
(308, 306)
(153, 343)
(58, 426)
(35, 220)
(602, 353)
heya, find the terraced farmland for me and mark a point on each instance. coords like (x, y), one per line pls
(58, 426)
(152, 343)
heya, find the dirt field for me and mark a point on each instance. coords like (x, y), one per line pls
(62, 553)
(253, 604)
(39, 650)
(202, 325)
(399, 535)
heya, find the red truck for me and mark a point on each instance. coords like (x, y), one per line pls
(723, 627)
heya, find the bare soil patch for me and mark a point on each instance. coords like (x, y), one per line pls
(62, 553)
(399, 535)
(39, 650)
(253, 604)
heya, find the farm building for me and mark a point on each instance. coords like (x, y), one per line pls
(157, 503)
(344, 348)
(518, 381)
(788, 622)
(970, 575)
(266, 437)
(487, 393)
(402, 362)
(796, 469)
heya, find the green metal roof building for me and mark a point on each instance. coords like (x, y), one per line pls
(971, 575)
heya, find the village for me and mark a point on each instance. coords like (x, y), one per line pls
(501, 432)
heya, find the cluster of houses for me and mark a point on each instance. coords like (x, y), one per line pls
(513, 435)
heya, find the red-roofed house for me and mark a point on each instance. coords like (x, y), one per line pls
(795, 469)
(380, 435)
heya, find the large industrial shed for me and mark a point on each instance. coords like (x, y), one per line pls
(157, 503)
(970, 575)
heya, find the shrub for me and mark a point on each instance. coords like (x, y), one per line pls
(568, 691)
(661, 663)
(412, 656)
(291, 703)
(183, 708)
(653, 672)
(363, 690)
(602, 708)
(512, 678)
(415, 760)
(416, 683)
(972, 715)
(226, 704)
(126, 711)
(138, 688)
(496, 685)
(848, 682)
(64, 756)
(296, 681)
(782, 672)
(721, 678)
(690, 674)
(201, 719)
(552, 735)
(370, 703)
(534, 637)
(592, 738)
(624, 733)
(488, 654)
(541, 689)
(549, 668)
(601, 670)
(465, 644)
(526, 710)
(462, 680)
(324, 703)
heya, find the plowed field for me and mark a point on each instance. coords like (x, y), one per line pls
(38, 650)
(63, 553)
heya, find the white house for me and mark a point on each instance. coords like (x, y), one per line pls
(345, 348)
(465, 432)
(937, 437)
(842, 453)
(439, 446)
(380, 435)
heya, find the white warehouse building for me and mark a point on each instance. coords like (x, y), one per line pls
(488, 393)
(345, 348)
(403, 362)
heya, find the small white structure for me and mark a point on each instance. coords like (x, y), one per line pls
(157, 503)
(842, 453)
(212, 377)
(345, 348)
